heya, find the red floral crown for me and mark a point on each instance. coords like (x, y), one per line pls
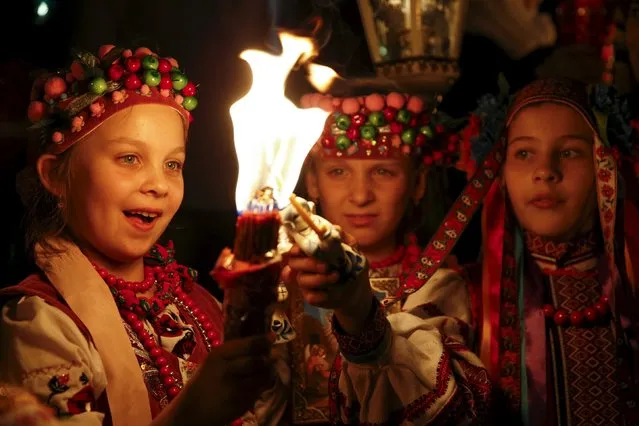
(68, 105)
(386, 126)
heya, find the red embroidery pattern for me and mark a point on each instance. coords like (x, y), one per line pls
(368, 340)
(473, 392)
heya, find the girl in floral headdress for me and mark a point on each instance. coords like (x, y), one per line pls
(368, 176)
(112, 330)
(558, 319)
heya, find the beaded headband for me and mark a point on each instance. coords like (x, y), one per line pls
(386, 126)
(69, 104)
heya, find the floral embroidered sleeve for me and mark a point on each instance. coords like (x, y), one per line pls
(44, 352)
(412, 367)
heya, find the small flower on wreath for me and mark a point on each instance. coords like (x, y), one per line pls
(145, 90)
(77, 123)
(119, 96)
(97, 109)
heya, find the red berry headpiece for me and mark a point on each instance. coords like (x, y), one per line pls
(69, 104)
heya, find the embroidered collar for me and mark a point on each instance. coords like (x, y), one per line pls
(540, 248)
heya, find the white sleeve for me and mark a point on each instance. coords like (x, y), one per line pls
(413, 367)
(44, 352)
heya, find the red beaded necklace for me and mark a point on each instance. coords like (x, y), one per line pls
(407, 255)
(169, 281)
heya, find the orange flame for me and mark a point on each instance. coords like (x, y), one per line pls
(272, 135)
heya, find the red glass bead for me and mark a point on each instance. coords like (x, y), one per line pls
(202, 318)
(165, 371)
(137, 326)
(133, 63)
(358, 120)
(438, 155)
(157, 269)
(576, 318)
(453, 138)
(155, 352)
(149, 343)
(605, 299)
(165, 82)
(111, 280)
(164, 65)
(120, 283)
(103, 273)
(132, 82)
(420, 139)
(195, 311)
(211, 335)
(602, 307)
(396, 128)
(216, 343)
(389, 113)
(440, 128)
(207, 325)
(173, 391)
(143, 335)
(452, 147)
(561, 317)
(549, 311)
(189, 89)
(131, 317)
(590, 314)
(188, 302)
(116, 72)
(161, 361)
(161, 276)
(428, 160)
(352, 133)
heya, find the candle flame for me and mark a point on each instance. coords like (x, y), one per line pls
(273, 136)
(321, 77)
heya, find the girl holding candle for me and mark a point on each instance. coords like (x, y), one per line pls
(559, 310)
(409, 362)
(112, 330)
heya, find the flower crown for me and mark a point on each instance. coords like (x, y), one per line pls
(383, 126)
(67, 105)
(608, 112)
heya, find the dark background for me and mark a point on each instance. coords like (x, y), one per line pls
(206, 37)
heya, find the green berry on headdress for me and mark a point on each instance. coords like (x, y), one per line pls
(189, 103)
(342, 142)
(426, 131)
(368, 132)
(403, 116)
(179, 80)
(343, 122)
(152, 78)
(376, 119)
(408, 136)
(98, 86)
(150, 62)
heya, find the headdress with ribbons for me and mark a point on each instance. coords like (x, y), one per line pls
(616, 184)
(67, 105)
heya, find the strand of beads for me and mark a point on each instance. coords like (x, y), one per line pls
(592, 315)
(205, 326)
(120, 284)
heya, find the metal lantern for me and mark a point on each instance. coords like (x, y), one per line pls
(415, 44)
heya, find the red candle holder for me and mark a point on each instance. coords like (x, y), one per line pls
(250, 275)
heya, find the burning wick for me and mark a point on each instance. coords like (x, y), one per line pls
(320, 231)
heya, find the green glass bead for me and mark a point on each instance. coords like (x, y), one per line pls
(408, 136)
(403, 116)
(426, 131)
(179, 80)
(190, 103)
(342, 142)
(98, 86)
(368, 132)
(152, 78)
(343, 121)
(376, 119)
(150, 62)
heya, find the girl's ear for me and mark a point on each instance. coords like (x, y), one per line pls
(47, 167)
(420, 185)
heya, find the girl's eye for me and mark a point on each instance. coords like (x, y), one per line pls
(174, 165)
(129, 159)
(336, 172)
(569, 153)
(384, 172)
(522, 154)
